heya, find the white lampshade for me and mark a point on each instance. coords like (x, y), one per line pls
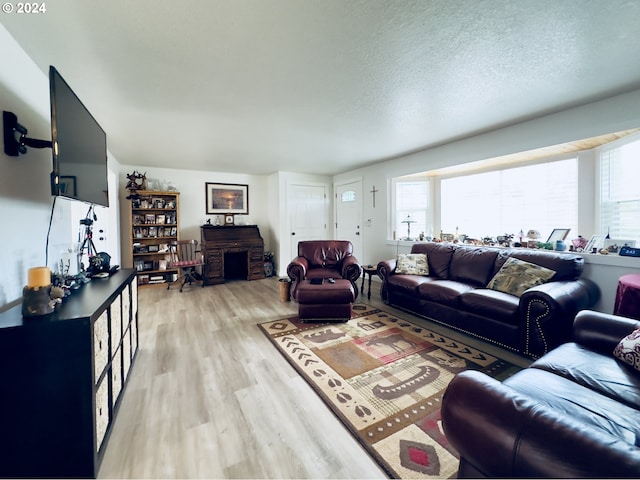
(533, 234)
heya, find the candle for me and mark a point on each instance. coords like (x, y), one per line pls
(39, 277)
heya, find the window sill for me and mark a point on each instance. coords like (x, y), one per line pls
(590, 258)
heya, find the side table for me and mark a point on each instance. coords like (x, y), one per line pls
(368, 270)
(627, 303)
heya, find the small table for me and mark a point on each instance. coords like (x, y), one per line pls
(628, 296)
(368, 270)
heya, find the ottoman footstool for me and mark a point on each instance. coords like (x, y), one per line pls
(326, 301)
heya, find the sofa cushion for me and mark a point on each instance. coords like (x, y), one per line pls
(325, 253)
(438, 257)
(446, 292)
(516, 276)
(601, 373)
(628, 350)
(579, 403)
(492, 304)
(472, 265)
(412, 264)
(567, 266)
(408, 283)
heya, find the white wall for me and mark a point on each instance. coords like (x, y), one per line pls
(25, 198)
(191, 185)
(618, 113)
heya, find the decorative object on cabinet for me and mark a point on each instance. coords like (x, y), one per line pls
(154, 225)
(63, 376)
(232, 252)
(228, 219)
(226, 199)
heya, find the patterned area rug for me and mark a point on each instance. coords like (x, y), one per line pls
(384, 377)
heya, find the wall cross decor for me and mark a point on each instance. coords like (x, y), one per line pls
(374, 195)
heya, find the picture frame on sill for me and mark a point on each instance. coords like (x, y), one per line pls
(226, 199)
(558, 234)
(613, 245)
(595, 242)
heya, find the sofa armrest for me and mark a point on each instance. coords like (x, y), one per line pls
(351, 271)
(548, 311)
(385, 269)
(503, 433)
(297, 271)
(601, 331)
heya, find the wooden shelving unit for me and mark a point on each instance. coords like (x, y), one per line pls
(154, 224)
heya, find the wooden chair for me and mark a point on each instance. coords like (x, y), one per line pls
(186, 256)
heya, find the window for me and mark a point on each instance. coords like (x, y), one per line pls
(412, 208)
(620, 191)
(542, 197)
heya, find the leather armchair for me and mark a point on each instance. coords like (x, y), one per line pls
(323, 259)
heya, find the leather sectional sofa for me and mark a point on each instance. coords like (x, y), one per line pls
(574, 413)
(455, 294)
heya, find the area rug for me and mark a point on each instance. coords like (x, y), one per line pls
(384, 377)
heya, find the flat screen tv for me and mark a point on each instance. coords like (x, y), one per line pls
(79, 147)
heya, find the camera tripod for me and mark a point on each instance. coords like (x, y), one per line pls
(88, 240)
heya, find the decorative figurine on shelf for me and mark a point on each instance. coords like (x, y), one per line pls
(136, 182)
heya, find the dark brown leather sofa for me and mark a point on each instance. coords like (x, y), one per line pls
(323, 259)
(574, 413)
(455, 294)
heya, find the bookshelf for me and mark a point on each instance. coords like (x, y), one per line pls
(154, 225)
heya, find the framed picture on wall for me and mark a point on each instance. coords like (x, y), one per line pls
(226, 198)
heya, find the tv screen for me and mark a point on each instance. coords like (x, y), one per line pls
(79, 147)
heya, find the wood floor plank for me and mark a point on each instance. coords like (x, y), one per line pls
(209, 396)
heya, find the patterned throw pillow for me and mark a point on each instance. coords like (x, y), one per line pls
(516, 276)
(628, 350)
(412, 264)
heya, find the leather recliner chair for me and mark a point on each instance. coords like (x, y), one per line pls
(323, 259)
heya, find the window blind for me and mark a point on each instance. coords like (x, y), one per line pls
(620, 192)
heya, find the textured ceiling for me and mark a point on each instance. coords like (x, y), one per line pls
(258, 86)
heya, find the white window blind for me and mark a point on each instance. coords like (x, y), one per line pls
(542, 197)
(412, 204)
(620, 192)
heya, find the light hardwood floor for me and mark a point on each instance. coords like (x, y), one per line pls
(210, 397)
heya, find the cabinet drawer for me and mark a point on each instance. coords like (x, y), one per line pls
(116, 323)
(100, 345)
(102, 411)
(116, 376)
(126, 308)
(134, 335)
(134, 297)
(126, 354)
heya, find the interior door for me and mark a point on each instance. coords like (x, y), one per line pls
(308, 210)
(349, 215)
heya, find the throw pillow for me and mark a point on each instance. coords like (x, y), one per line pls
(628, 350)
(412, 264)
(516, 276)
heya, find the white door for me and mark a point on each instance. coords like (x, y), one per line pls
(349, 215)
(308, 210)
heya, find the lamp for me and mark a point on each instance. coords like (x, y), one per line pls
(408, 221)
(533, 235)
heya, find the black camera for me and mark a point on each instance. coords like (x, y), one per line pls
(86, 221)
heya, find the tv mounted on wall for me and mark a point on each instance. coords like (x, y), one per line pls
(79, 147)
